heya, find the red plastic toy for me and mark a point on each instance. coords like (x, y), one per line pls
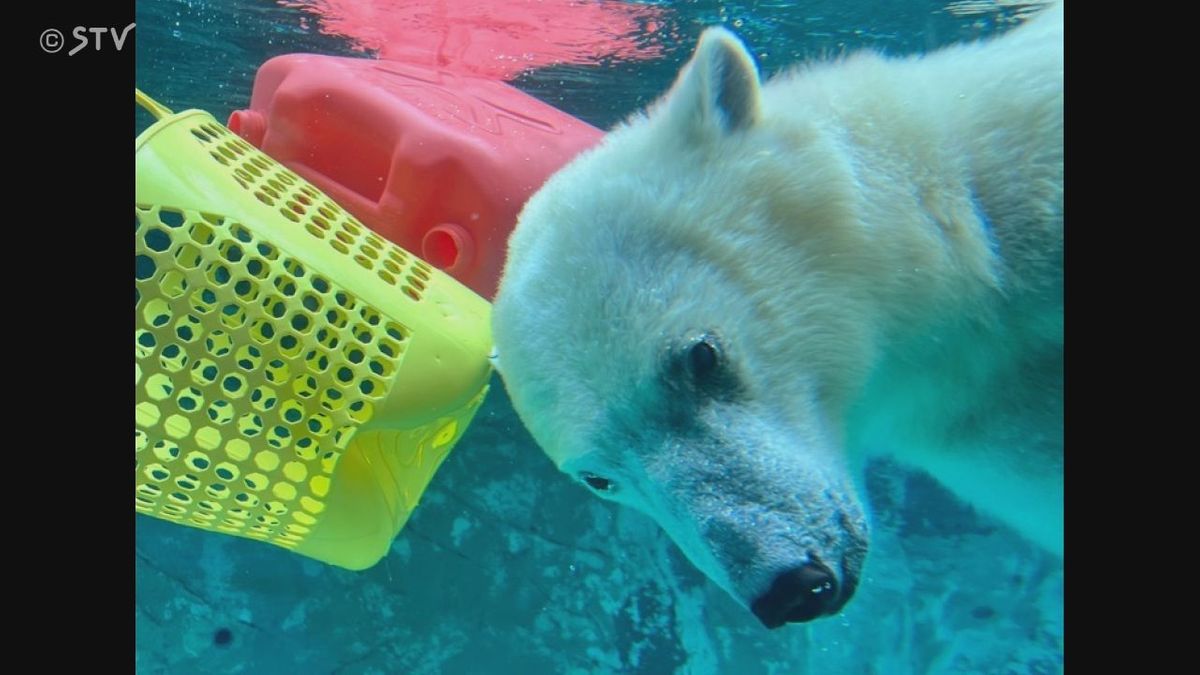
(439, 163)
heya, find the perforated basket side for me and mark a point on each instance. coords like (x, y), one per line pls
(253, 376)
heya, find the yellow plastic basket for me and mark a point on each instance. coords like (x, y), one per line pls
(299, 378)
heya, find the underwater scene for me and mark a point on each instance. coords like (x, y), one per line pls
(767, 379)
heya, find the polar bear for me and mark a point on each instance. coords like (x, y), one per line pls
(719, 312)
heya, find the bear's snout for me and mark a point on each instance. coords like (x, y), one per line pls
(801, 594)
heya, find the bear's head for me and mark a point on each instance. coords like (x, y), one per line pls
(680, 327)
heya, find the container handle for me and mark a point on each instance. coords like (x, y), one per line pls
(154, 107)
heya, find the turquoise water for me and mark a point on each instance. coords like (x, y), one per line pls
(506, 566)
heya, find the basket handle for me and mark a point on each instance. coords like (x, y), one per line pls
(154, 107)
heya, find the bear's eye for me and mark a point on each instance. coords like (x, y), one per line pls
(702, 358)
(596, 482)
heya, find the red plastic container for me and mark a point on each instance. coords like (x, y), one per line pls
(437, 162)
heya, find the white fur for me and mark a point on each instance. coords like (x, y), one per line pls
(877, 246)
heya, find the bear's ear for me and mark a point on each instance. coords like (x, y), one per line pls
(718, 91)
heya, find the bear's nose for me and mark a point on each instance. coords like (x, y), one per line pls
(799, 594)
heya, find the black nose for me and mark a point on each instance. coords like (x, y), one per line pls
(799, 594)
